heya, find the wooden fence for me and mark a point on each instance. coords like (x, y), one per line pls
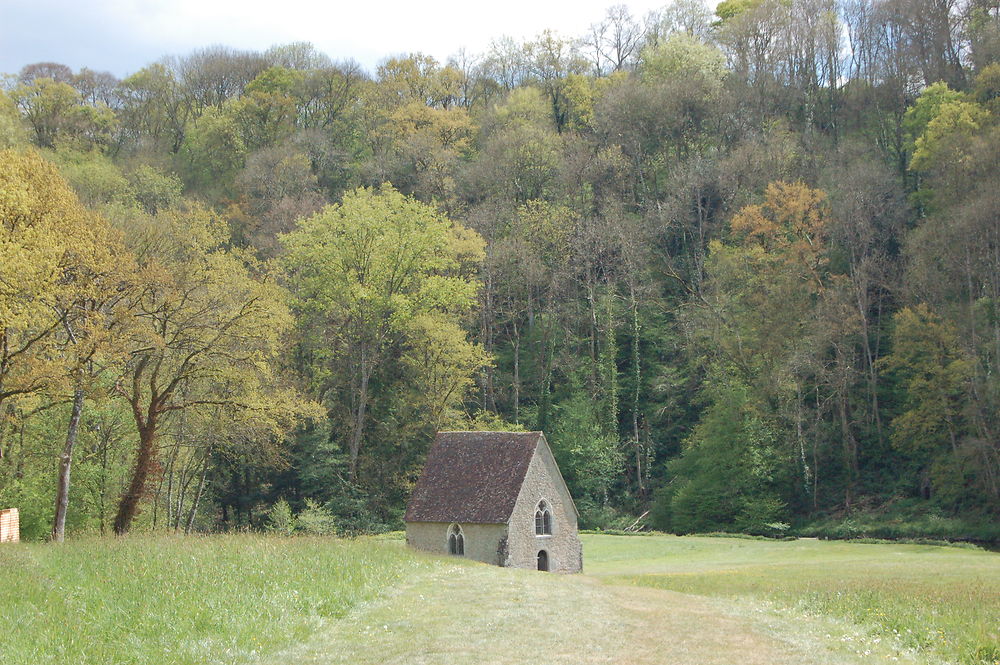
(10, 526)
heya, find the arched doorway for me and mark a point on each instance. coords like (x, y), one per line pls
(543, 560)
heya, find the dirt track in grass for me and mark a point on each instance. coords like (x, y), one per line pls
(472, 613)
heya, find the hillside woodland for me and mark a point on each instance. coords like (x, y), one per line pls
(742, 268)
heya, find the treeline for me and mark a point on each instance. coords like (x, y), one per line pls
(742, 268)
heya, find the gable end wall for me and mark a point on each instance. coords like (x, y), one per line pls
(542, 481)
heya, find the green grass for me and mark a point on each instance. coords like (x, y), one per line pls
(158, 600)
(941, 601)
(245, 599)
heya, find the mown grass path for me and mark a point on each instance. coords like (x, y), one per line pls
(471, 613)
(252, 599)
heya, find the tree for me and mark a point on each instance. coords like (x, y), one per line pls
(551, 60)
(935, 376)
(154, 112)
(55, 111)
(12, 130)
(953, 122)
(691, 17)
(95, 321)
(45, 237)
(64, 272)
(615, 41)
(212, 153)
(376, 275)
(729, 476)
(208, 328)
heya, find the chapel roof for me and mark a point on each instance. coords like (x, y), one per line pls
(472, 477)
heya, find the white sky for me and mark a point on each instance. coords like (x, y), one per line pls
(124, 35)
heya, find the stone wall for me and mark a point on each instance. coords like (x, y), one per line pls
(543, 481)
(10, 526)
(483, 542)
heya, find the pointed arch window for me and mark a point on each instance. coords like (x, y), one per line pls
(456, 540)
(543, 519)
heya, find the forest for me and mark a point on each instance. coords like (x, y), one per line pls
(742, 267)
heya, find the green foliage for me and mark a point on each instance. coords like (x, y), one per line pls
(13, 134)
(953, 121)
(56, 113)
(731, 8)
(383, 283)
(905, 519)
(154, 189)
(927, 107)
(487, 421)
(934, 374)
(95, 178)
(212, 153)
(280, 519)
(587, 454)
(635, 231)
(315, 520)
(729, 474)
(684, 57)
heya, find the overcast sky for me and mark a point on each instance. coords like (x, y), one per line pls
(122, 36)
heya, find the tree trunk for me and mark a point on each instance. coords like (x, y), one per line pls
(129, 504)
(517, 373)
(636, 393)
(198, 495)
(367, 365)
(65, 465)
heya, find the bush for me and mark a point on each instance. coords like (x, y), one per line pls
(315, 520)
(904, 520)
(602, 518)
(280, 518)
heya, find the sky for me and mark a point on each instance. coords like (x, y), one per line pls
(122, 36)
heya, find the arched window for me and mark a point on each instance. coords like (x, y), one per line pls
(456, 540)
(543, 519)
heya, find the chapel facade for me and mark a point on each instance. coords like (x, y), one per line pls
(495, 497)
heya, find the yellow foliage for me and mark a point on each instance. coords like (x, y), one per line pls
(58, 264)
(791, 222)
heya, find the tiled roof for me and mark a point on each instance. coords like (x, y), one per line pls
(472, 477)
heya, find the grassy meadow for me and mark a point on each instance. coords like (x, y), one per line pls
(650, 599)
(943, 602)
(171, 600)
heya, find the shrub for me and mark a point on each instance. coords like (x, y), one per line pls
(315, 520)
(280, 518)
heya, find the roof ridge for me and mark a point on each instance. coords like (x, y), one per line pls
(485, 431)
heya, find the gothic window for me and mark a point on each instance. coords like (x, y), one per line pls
(543, 519)
(456, 540)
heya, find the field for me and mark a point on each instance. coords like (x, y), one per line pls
(941, 602)
(650, 599)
